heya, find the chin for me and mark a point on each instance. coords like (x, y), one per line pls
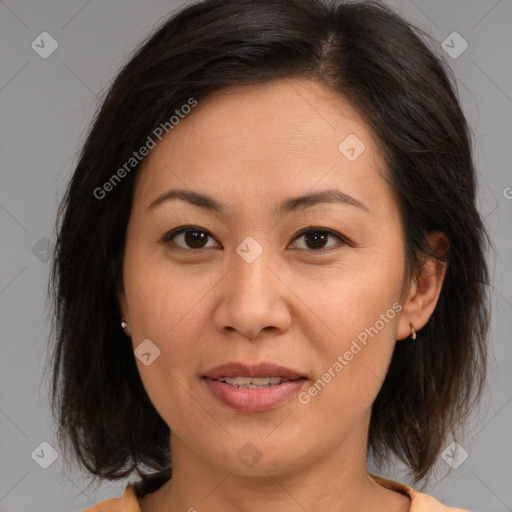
(255, 459)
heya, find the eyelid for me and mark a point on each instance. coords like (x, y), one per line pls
(167, 238)
(342, 238)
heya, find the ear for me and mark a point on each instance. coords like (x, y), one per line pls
(425, 289)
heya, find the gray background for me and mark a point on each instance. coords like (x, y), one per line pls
(46, 106)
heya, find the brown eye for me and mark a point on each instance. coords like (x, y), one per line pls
(195, 238)
(188, 237)
(316, 238)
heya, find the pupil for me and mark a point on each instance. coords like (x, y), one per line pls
(318, 237)
(193, 238)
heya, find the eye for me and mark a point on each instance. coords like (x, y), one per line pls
(191, 237)
(196, 238)
(315, 238)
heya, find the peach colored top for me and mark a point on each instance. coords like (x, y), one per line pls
(420, 502)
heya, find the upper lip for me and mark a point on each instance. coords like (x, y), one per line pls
(265, 369)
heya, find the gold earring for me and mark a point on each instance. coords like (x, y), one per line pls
(413, 330)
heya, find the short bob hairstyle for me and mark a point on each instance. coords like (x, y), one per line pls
(381, 65)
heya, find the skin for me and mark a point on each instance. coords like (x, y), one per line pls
(250, 149)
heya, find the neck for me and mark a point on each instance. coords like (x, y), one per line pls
(337, 480)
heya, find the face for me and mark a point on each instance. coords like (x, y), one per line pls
(312, 285)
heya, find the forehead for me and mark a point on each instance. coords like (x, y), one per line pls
(282, 114)
(281, 138)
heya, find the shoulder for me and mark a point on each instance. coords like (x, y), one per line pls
(420, 502)
(134, 491)
(128, 502)
(426, 503)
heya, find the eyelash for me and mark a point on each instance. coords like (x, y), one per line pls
(167, 238)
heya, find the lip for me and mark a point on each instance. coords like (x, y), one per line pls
(254, 400)
(264, 369)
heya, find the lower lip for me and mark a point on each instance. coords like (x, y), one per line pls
(253, 400)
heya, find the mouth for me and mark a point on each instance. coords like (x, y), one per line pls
(255, 388)
(260, 375)
(254, 382)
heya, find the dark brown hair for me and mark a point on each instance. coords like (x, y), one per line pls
(406, 93)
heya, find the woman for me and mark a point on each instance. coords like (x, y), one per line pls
(270, 265)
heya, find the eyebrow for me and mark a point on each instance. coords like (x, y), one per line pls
(289, 205)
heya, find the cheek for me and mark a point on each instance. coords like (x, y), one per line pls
(164, 302)
(173, 321)
(352, 368)
(165, 309)
(361, 310)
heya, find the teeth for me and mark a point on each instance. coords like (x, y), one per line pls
(239, 381)
(252, 382)
(262, 381)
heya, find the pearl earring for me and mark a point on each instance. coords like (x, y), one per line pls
(124, 325)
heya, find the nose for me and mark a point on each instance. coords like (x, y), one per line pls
(252, 299)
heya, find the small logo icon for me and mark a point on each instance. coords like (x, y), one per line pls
(507, 192)
(249, 455)
(249, 249)
(44, 45)
(454, 455)
(43, 249)
(455, 45)
(351, 147)
(45, 455)
(146, 352)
